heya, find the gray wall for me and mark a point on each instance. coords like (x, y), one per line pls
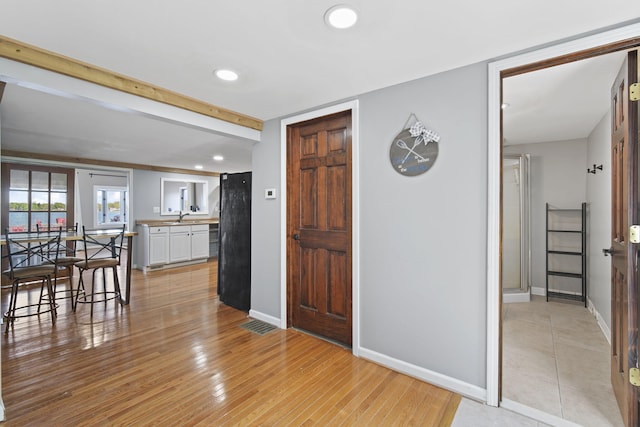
(146, 185)
(558, 177)
(265, 222)
(423, 239)
(599, 219)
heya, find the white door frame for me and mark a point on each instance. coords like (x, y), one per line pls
(493, 181)
(355, 212)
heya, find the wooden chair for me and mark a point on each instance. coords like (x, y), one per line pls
(29, 260)
(66, 259)
(102, 249)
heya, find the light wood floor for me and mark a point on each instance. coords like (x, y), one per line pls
(176, 356)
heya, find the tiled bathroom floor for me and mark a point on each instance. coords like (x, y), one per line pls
(556, 359)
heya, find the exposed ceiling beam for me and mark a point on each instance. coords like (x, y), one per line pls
(32, 55)
(82, 161)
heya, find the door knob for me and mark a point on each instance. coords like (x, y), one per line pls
(296, 237)
(607, 252)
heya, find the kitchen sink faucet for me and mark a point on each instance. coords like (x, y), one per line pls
(182, 215)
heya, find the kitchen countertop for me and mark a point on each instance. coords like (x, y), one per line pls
(161, 222)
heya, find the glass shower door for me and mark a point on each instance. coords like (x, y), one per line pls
(516, 273)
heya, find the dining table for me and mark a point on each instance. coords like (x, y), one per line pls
(70, 235)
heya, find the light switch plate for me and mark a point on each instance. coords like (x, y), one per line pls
(270, 193)
(156, 209)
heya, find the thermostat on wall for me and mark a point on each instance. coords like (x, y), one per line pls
(270, 193)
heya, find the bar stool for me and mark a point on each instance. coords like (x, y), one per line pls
(29, 261)
(66, 259)
(102, 249)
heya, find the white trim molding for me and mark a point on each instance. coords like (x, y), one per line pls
(538, 290)
(601, 322)
(452, 384)
(516, 297)
(355, 211)
(265, 318)
(537, 414)
(493, 182)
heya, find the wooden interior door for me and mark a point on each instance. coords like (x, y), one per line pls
(319, 226)
(624, 294)
(635, 259)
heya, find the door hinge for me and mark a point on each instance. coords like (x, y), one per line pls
(634, 234)
(634, 92)
(634, 376)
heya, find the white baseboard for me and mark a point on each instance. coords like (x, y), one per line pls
(150, 268)
(603, 325)
(468, 390)
(538, 291)
(536, 414)
(265, 318)
(543, 292)
(510, 297)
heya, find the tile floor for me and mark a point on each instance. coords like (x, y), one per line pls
(556, 359)
(474, 414)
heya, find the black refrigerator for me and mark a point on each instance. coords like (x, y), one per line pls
(234, 239)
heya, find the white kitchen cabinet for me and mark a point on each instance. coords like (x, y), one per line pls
(170, 245)
(153, 246)
(158, 245)
(179, 243)
(200, 241)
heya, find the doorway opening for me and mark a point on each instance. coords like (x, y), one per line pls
(593, 46)
(319, 225)
(559, 346)
(353, 107)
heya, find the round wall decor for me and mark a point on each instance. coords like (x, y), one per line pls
(414, 150)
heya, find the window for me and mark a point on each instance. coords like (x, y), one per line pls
(111, 205)
(36, 196)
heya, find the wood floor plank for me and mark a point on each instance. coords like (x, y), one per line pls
(351, 394)
(178, 356)
(295, 403)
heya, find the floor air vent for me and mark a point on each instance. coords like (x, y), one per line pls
(258, 327)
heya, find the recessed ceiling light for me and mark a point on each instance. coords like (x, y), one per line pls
(199, 166)
(218, 157)
(341, 16)
(226, 75)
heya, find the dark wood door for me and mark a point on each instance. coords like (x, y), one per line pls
(635, 259)
(624, 295)
(319, 226)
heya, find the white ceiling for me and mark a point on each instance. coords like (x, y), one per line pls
(36, 121)
(288, 61)
(559, 103)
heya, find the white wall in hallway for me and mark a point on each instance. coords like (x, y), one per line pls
(558, 177)
(598, 189)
